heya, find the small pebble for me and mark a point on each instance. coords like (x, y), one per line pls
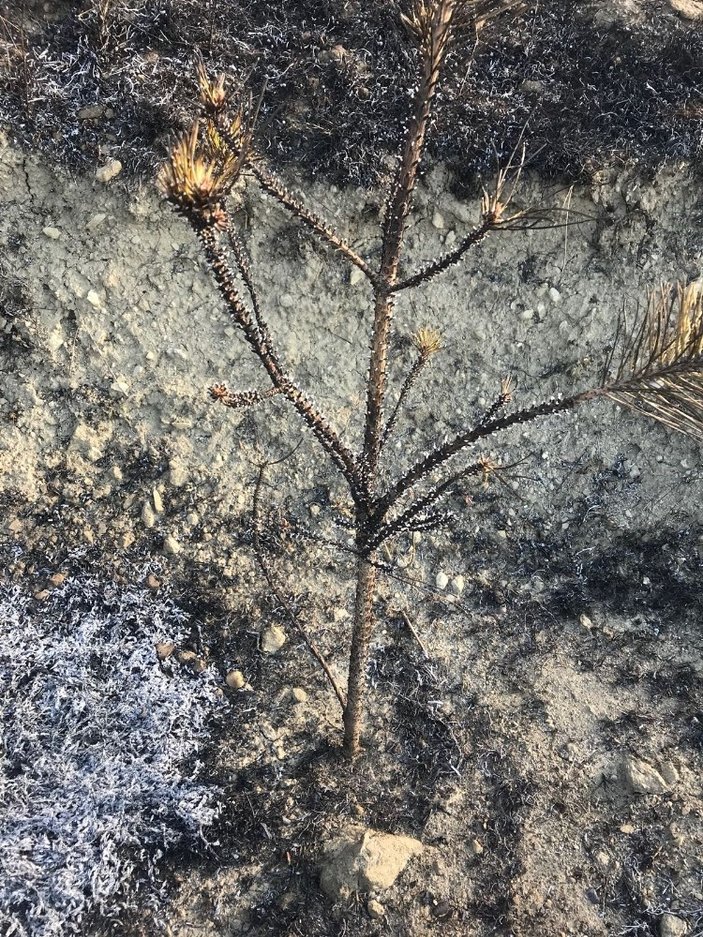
(52, 233)
(153, 582)
(119, 388)
(177, 471)
(442, 580)
(91, 112)
(148, 515)
(672, 926)
(58, 579)
(554, 295)
(42, 596)
(235, 680)
(55, 340)
(438, 221)
(106, 173)
(165, 649)
(458, 585)
(190, 659)
(356, 276)
(172, 546)
(272, 639)
(375, 909)
(94, 299)
(585, 621)
(299, 694)
(158, 501)
(476, 847)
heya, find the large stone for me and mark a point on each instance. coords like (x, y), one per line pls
(640, 777)
(365, 861)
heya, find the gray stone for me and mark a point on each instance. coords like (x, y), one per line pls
(442, 580)
(91, 112)
(672, 926)
(639, 777)
(364, 860)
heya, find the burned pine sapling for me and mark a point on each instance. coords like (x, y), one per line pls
(660, 372)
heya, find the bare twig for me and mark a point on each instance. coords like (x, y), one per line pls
(428, 343)
(273, 585)
(413, 631)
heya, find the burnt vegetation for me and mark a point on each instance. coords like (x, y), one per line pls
(114, 76)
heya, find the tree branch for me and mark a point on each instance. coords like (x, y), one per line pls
(432, 23)
(341, 456)
(404, 520)
(436, 267)
(442, 453)
(275, 187)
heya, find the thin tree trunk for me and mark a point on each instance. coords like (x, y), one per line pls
(359, 659)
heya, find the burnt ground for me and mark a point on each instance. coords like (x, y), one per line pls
(499, 749)
(587, 84)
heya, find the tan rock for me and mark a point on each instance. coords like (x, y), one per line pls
(640, 777)
(235, 680)
(106, 173)
(272, 639)
(689, 9)
(364, 861)
(672, 926)
(165, 649)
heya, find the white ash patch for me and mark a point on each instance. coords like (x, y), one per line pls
(99, 770)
